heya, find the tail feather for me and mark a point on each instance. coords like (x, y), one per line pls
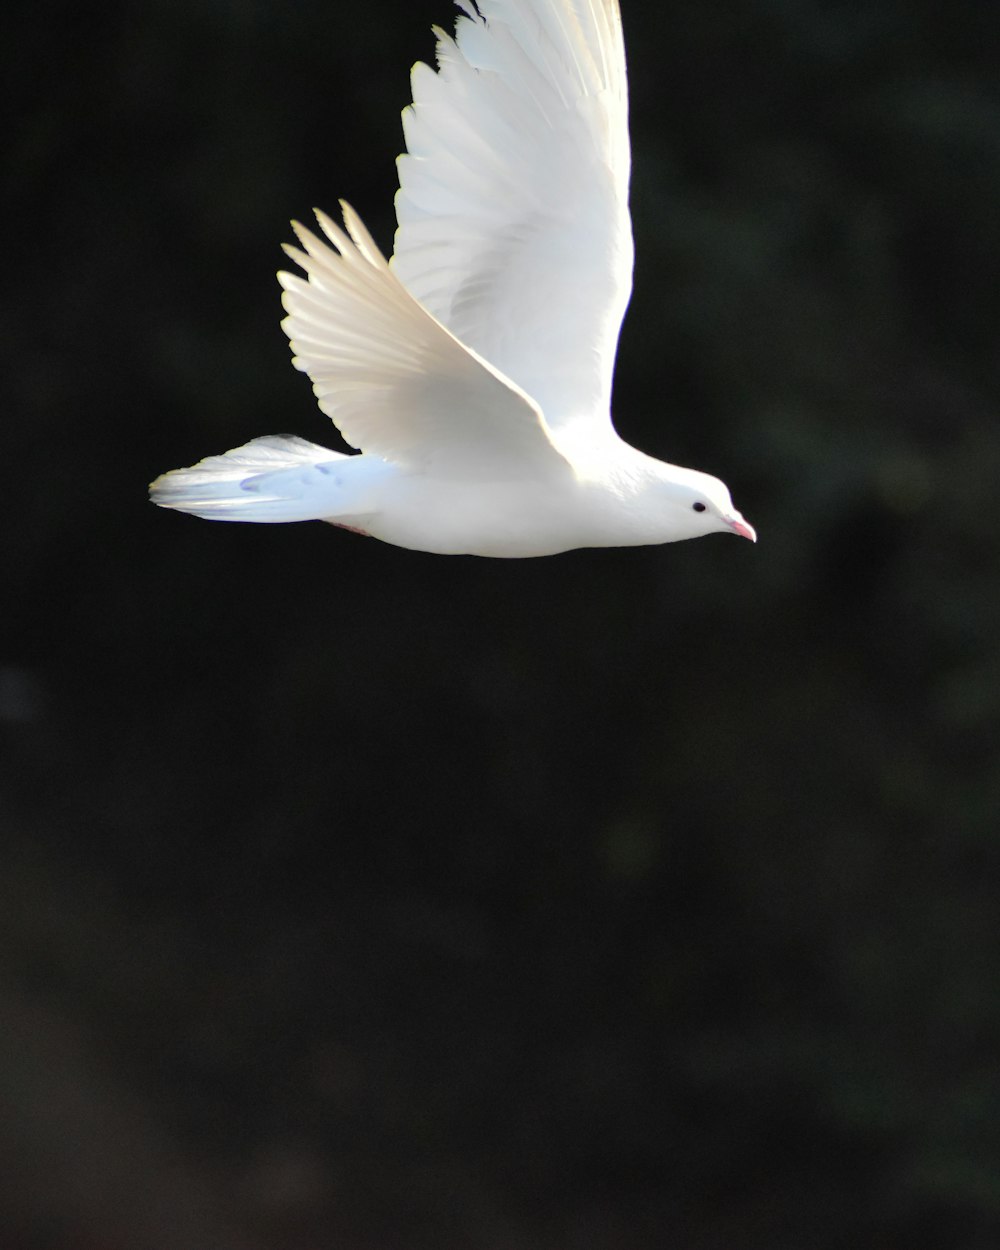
(271, 479)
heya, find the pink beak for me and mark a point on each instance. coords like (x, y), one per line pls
(739, 526)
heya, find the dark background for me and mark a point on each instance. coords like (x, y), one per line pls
(357, 899)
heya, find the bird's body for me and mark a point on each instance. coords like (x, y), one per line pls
(474, 370)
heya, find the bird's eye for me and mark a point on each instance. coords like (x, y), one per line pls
(699, 506)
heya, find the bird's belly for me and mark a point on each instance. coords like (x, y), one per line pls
(502, 520)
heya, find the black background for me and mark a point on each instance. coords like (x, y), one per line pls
(359, 898)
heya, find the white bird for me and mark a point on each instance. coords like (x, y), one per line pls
(473, 371)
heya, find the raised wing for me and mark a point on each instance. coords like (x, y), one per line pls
(513, 217)
(395, 382)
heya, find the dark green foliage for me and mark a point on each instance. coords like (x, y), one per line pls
(641, 899)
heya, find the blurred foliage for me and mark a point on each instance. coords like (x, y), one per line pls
(635, 899)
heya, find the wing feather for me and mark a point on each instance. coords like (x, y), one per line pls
(393, 379)
(513, 223)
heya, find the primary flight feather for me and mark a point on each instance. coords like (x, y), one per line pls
(473, 370)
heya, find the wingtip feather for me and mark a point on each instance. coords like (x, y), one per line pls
(363, 240)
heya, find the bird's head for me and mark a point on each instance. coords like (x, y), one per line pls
(697, 503)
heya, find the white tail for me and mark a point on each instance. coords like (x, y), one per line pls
(274, 478)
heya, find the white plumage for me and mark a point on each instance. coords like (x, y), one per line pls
(474, 370)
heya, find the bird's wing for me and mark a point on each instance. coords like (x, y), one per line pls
(396, 382)
(514, 228)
